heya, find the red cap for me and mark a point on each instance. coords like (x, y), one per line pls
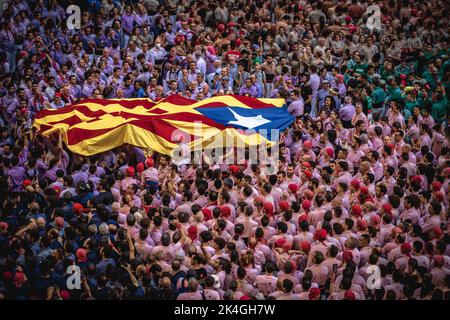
(349, 295)
(436, 185)
(362, 224)
(81, 255)
(438, 261)
(305, 246)
(303, 217)
(375, 220)
(307, 144)
(207, 214)
(140, 167)
(26, 183)
(314, 293)
(405, 248)
(387, 207)
(356, 209)
(77, 208)
(245, 297)
(347, 256)
(233, 169)
(321, 234)
(65, 295)
(447, 170)
(268, 208)
(57, 189)
(293, 187)
(3, 225)
(306, 164)
(58, 94)
(225, 211)
(284, 205)
(130, 171)
(364, 190)
(149, 162)
(192, 232)
(23, 110)
(416, 178)
(221, 27)
(348, 19)
(355, 183)
(329, 151)
(306, 204)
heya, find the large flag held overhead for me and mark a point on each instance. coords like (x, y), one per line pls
(93, 126)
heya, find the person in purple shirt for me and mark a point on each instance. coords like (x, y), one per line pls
(16, 174)
(296, 107)
(248, 89)
(347, 112)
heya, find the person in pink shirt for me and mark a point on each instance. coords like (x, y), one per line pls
(360, 115)
(129, 179)
(411, 212)
(394, 114)
(342, 174)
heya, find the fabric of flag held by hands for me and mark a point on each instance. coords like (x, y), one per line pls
(93, 126)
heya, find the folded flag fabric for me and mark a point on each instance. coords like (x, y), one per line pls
(94, 126)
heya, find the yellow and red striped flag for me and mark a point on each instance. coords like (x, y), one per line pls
(94, 126)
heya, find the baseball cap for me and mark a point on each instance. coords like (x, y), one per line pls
(347, 256)
(356, 209)
(349, 295)
(293, 187)
(81, 255)
(321, 234)
(306, 204)
(436, 185)
(305, 246)
(284, 205)
(314, 293)
(26, 183)
(130, 171)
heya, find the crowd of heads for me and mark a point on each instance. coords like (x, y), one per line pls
(357, 207)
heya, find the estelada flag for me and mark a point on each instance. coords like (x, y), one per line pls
(93, 126)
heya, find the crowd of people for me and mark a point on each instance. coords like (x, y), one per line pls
(357, 209)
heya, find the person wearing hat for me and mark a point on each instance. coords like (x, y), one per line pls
(57, 103)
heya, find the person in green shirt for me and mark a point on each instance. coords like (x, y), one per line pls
(387, 70)
(359, 67)
(428, 52)
(367, 100)
(439, 105)
(378, 96)
(410, 102)
(423, 97)
(393, 92)
(431, 75)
